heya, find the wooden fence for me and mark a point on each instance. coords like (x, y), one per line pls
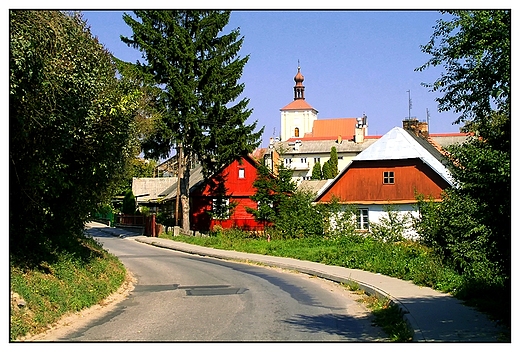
(147, 223)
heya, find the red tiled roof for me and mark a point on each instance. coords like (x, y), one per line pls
(310, 137)
(449, 134)
(298, 104)
(344, 127)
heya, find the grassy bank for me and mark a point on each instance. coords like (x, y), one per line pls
(406, 260)
(70, 280)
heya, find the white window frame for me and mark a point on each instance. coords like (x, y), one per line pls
(362, 221)
(223, 213)
(241, 173)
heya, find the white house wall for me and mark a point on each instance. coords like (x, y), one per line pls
(344, 159)
(377, 211)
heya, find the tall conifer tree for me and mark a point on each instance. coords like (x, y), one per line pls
(333, 161)
(198, 69)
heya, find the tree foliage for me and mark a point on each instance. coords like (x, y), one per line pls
(271, 191)
(334, 162)
(327, 171)
(393, 226)
(71, 123)
(316, 172)
(297, 217)
(472, 225)
(129, 203)
(474, 48)
(198, 71)
(264, 196)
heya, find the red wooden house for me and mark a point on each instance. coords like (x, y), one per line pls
(224, 198)
(390, 172)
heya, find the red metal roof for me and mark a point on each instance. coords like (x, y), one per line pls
(298, 104)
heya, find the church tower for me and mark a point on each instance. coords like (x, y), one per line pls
(297, 117)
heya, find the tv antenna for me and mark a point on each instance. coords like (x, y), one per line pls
(409, 105)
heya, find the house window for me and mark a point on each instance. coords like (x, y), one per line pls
(241, 173)
(297, 132)
(287, 162)
(362, 219)
(316, 160)
(303, 160)
(388, 177)
(259, 204)
(220, 208)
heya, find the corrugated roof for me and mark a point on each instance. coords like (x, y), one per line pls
(196, 176)
(400, 144)
(153, 186)
(323, 146)
(447, 139)
(314, 186)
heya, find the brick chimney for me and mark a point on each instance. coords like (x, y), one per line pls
(419, 128)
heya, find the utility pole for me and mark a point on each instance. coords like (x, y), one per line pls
(179, 173)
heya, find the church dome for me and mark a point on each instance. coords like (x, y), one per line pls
(299, 77)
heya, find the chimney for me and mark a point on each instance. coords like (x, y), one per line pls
(417, 127)
(361, 129)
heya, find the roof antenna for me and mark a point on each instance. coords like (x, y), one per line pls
(409, 105)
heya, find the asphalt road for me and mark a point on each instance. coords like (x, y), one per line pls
(183, 297)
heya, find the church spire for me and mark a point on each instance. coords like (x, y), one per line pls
(299, 89)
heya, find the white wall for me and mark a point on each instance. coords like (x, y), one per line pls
(377, 211)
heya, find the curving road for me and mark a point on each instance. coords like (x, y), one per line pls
(182, 297)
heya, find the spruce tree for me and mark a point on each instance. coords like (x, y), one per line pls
(271, 191)
(198, 70)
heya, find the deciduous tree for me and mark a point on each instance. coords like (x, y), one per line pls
(472, 226)
(71, 126)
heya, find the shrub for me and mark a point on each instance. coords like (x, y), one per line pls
(298, 217)
(393, 226)
(129, 203)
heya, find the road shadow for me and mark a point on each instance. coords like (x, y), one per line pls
(355, 328)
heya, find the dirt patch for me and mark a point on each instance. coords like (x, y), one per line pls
(74, 321)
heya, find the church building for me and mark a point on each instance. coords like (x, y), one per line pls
(307, 140)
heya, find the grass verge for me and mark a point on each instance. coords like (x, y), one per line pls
(406, 260)
(41, 295)
(387, 315)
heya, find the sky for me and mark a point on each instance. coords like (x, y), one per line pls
(354, 62)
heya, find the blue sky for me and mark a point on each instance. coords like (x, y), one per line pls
(354, 62)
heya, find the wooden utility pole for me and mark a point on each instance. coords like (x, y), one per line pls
(179, 173)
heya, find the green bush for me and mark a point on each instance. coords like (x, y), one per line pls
(298, 217)
(129, 203)
(393, 226)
